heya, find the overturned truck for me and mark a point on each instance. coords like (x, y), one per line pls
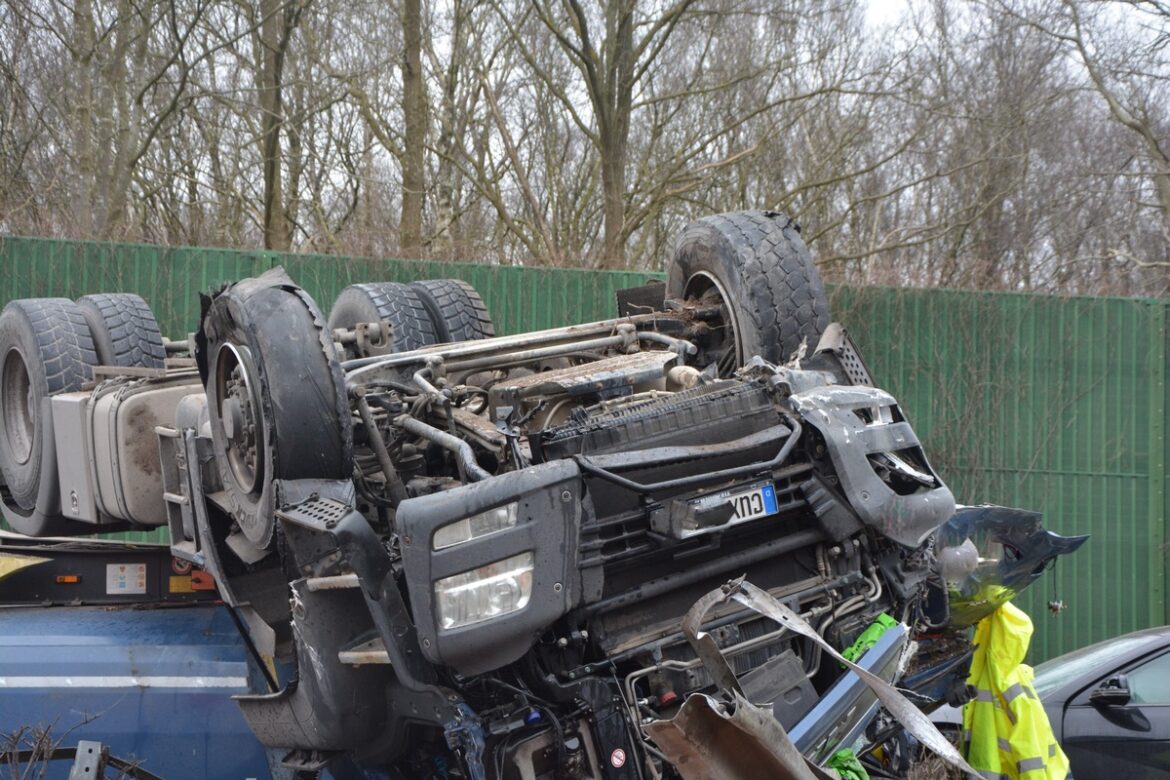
(694, 540)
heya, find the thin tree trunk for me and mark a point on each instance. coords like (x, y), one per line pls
(445, 189)
(276, 232)
(83, 113)
(414, 111)
(613, 186)
(615, 135)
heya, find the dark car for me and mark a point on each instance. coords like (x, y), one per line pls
(1109, 705)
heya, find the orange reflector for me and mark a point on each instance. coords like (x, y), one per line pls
(201, 580)
(68, 579)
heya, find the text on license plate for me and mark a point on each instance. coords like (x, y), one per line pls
(747, 504)
(757, 501)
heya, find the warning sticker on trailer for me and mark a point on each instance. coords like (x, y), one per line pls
(125, 579)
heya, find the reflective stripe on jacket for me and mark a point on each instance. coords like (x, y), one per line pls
(1006, 733)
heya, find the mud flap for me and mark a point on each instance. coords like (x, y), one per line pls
(331, 706)
(611, 730)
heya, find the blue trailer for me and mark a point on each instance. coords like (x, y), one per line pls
(93, 650)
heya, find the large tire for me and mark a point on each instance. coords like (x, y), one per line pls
(45, 349)
(456, 310)
(392, 302)
(125, 332)
(756, 265)
(276, 396)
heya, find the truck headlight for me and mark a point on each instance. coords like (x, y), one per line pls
(482, 524)
(484, 593)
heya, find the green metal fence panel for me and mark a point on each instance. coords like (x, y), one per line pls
(169, 278)
(1052, 404)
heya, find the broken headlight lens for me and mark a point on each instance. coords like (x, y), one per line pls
(482, 524)
(484, 593)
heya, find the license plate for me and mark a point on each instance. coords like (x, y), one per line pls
(746, 504)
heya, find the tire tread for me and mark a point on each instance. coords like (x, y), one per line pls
(134, 335)
(784, 297)
(54, 340)
(456, 308)
(399, 305)
(63, 341)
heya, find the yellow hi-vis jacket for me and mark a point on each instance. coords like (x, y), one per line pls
(1006, 733)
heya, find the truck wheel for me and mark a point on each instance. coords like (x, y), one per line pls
(45, 349)
(392, 302)
(276, 396)
(456, 310)
(125, 332)
(754, 265)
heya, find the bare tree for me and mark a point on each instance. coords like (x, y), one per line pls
(612, 48)
(278, 20)
(1002, 144)
(414, 113)
(1122, 48)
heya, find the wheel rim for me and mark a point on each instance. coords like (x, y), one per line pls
(19, 407)
(240, 418)
(706, 290)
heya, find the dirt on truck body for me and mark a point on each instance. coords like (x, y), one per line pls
(694, 540)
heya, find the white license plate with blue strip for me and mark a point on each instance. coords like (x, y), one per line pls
(759, 500)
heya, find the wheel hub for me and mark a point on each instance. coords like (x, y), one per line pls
(241, 421)
(705, 290)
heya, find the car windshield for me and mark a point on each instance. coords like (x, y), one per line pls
(1050, 675)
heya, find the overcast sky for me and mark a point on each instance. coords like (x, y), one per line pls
(884, 11)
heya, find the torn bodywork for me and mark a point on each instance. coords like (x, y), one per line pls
(697, 740)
